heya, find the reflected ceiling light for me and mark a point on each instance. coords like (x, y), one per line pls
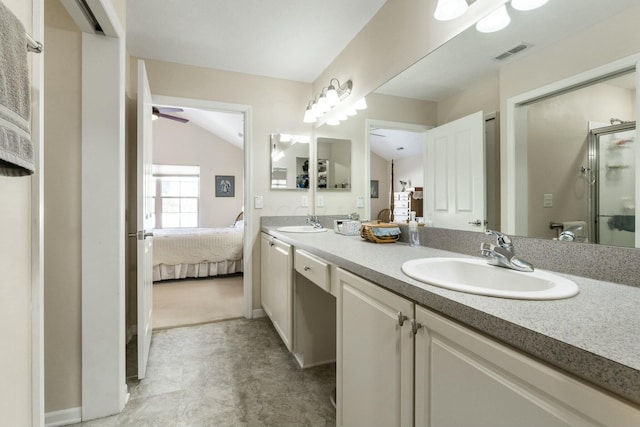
(495, 21)
(329, 98)
(361, 104)
(446, 10)
(527, 4)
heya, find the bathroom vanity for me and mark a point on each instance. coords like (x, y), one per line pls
(424, 355)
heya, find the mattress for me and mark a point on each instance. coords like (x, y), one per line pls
(196, 252)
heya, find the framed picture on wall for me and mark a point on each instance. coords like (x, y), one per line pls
(225, 186)
(374, 188)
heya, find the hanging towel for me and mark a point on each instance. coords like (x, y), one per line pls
(16, 150)
(622, 223)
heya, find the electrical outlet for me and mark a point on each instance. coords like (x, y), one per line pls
(548, 200)
(305, 201)
(360, 202)
(320, 201)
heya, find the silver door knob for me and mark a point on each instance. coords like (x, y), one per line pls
(476, 222)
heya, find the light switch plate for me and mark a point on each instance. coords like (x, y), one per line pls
(360, 202)
(305, 201)
(548, 200)
(258, 202)
(320, 201)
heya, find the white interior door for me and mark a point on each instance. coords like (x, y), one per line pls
(145, 220)
(454, 174)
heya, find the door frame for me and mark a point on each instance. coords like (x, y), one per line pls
(247, 258)
(37, 221)
(514, 220)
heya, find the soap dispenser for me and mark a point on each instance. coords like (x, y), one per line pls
(414, 238)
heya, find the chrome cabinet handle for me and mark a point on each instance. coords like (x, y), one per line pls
(307, 268)
(141, 235)
(401, 318)
(415, 326)
(271, 243)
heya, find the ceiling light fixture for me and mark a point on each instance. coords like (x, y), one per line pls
(495, 21)
(527, 4)
(329, 98)
(446, 10)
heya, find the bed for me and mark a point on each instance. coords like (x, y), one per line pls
(197, 252)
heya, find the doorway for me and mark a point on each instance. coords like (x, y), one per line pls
(198, 172)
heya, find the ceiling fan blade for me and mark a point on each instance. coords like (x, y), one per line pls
(169, 109)
(177, 119)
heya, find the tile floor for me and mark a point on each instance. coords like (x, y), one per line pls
(231, 373)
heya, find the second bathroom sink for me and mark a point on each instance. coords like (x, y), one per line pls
(475, 276)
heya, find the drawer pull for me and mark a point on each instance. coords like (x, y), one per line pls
(307, 268)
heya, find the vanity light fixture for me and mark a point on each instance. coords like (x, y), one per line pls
(495, 21)
(446, 10)
(329, 98)
(527, 4)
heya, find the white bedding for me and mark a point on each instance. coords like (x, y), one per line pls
(196, 252)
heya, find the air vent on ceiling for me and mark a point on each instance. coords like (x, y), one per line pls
(513, 51)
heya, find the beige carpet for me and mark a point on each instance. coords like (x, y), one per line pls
(190, 302)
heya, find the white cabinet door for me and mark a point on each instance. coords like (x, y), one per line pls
(374, 355)
(276, 279)
(466, 379)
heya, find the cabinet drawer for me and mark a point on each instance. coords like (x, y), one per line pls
(312, 268)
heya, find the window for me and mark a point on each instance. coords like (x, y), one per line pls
(177, 196)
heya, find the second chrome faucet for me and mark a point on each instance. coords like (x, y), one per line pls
(502, 253)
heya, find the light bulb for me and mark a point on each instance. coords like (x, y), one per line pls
(332, 96)
(309, 117)
(495, 21)
(527, 4)
(333, 121)
(446, 10)
(323, 106)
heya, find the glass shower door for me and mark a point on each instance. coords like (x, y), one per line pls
(613, 158)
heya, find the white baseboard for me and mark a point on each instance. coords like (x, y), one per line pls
(257, 313)
(63, 417)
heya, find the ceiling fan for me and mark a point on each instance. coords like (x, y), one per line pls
(161, 112)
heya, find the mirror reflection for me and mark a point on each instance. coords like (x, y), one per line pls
(580, 157)
(334, 164)
(540, 47)
(289, 162)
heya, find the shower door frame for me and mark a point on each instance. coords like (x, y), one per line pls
(594, 170)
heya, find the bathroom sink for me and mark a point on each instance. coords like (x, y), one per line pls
(475, 276)
(301, 229)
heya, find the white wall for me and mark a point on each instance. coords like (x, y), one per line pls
(188, 144)
(380, 171)
(15, 286)
(63, 252)
(410, 169)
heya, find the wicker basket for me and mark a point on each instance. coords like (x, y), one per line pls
(366, 232)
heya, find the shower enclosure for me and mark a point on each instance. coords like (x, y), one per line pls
(612, 178)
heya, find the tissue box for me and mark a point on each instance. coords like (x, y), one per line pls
(347, 227)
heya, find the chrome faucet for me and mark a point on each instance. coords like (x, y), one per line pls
(502, 254)
(313, 221)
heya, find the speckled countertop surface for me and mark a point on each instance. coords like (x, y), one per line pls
(594, 335)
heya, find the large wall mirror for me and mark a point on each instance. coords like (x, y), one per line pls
(290, 162)
(477, 71)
